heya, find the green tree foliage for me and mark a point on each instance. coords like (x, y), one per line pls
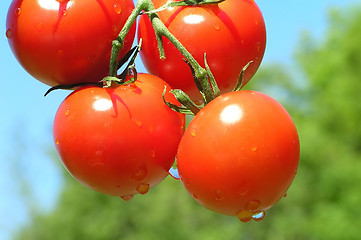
(324, 200)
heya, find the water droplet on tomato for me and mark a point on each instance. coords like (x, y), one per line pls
(143, 188)
(18, 11)
(8, 33)
(194, 196)
(259, 216)
(285, 195)
(117, 9)
(193, 132)
(219, 195)
(57, 141)
(115, 30)
(245, 216)
(243, 190)
(253, 205)
(258, 46)
(253, 149)
(173, 172)
(216, 26)
(127, 197)
(152, 153)
(67, 112)
(138, 123)
(140, 174)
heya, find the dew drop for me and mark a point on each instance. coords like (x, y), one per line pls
(253, 205)
(57, 141)
(152, 153)
(245, 216)
(193, 132)
(173, 172)
(138, 122)
(140, 174)
(194, 196)
(127, 197)
(285, 195)
(216, 26)
(259, 216)
(18, 11)
(242, 191)
(143, 188)
(115, 30)
(253, 149)
(117, 9)
(219, 195)
(67, 112)
(258, 46)
(9, 33)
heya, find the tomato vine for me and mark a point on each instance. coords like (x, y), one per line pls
(201, 75)
(118, 135)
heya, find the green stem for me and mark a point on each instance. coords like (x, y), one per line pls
(117, 44)
(161, 31)
(200, 73)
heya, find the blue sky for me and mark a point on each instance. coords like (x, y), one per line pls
(26, 120)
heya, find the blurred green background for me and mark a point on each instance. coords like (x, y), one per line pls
(321, 91)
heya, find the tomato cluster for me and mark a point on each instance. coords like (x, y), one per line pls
(121, 137)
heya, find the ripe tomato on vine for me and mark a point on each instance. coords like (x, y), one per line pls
(239, 154)
(120, 140)
(232, 33)
(67, 41)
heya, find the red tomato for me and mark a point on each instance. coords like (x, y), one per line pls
(66, 41)
(232, 33)
(120, 140)
(239, 154)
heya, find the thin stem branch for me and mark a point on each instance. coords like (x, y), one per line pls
(147, 6)
(118, 43)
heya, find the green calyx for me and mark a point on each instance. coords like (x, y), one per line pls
(129, 72)
(207, 87)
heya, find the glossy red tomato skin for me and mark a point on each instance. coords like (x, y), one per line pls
(240, 153)
(115, 140)
(66, 42)
(232, 34)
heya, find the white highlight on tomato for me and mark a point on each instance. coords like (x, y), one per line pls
(231, 114)
(169, 8)
(52, 4)
(193, 19)
(102, 104)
